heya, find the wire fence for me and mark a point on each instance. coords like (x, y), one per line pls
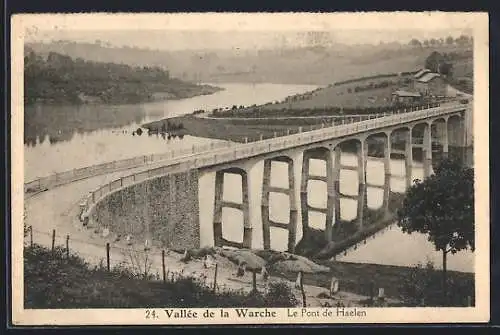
(158, 265)
(147, 262)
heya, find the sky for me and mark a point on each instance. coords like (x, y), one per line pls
(245, 31)
(181, 40)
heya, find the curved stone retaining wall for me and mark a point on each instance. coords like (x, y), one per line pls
(164, 209)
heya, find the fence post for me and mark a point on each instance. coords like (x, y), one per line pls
(121, 181)
(372, 288)
(163, 265)
(107, 257)
(31, 236)
(304, 304)
(53, 239)
(67, 246)
(254, 280)
(215, 278)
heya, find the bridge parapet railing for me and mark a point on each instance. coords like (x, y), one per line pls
(212, 154)
(61, 178)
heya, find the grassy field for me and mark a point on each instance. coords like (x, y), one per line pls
(237, 130)
(232, 130)
(364, 96)
(345, 96)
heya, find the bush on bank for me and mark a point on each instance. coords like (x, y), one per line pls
(51, 280)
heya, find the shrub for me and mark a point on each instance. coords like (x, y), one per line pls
(423, 287)
(280, 294)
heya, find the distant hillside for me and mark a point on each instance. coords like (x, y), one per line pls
(58, 78)
(307, 65)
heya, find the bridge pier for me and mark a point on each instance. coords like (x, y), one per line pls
(362, 160)
(444, 139)
(442, 135)
(325, 155)
(409, 158)
(267, 223)
(337, 151)
(427, 150)
(362, 200)
(387, 193)
(219, 204)
(387, 155)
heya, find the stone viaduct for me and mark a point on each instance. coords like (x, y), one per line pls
(444, 124)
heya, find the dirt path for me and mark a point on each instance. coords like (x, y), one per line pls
(58, 209)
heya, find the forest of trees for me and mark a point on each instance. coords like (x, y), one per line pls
(456, 67)
(462, 40)
(59, 78)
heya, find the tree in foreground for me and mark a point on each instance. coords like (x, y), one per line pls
(442, 207)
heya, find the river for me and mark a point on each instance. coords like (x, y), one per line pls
(60, 138)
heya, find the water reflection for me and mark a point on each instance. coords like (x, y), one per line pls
(61, 123)
(61, 138)
(362, 207)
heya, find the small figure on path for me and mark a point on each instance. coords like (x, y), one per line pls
(207, 262)
(241, 270)
(264, 273)
(105, 232)
(186, 257)
(334, 286)
(298, 281)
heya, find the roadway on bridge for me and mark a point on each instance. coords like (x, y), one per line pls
(58, 207)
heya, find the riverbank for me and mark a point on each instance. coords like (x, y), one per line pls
(184, 91)
(59, 79)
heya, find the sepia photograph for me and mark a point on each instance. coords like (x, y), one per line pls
(250, 168)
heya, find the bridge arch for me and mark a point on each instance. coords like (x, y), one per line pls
(220, 203)
(289, 191)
